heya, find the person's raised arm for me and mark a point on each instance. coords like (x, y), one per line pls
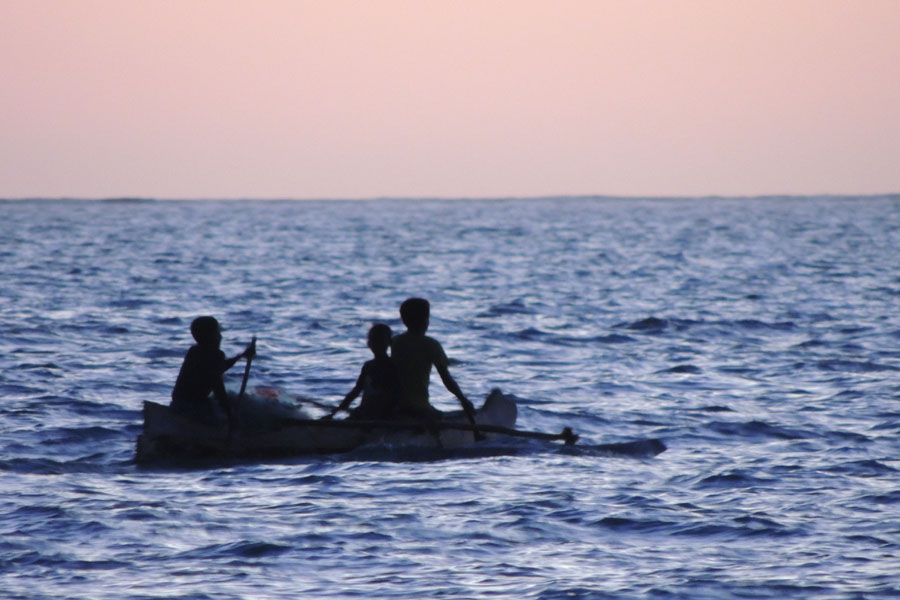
(249, 352)
(351, 395)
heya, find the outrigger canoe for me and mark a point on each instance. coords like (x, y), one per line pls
(259, 433)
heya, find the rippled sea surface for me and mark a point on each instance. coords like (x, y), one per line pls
(759, 339)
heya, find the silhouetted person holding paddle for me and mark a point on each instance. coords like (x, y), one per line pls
(415, 353)
(379, 381)
(201, 373)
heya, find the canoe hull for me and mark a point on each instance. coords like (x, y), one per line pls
(167, 435)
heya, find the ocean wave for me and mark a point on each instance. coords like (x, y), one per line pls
(736, 478)
(515, 307)
(758, 429)
(89, 463)
(648, 325)
(862, 468)
(887, 498)
(28, 560)
(713, 531)
(683, 369)
(854, 366)
(732, 343)
(235, 551)
(631, 525)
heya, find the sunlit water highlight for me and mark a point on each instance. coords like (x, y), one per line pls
(757, 338)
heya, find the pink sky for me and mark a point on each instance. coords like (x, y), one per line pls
(339, 98)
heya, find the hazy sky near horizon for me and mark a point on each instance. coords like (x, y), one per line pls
(366, 98)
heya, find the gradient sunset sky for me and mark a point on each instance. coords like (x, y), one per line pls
(367, 98)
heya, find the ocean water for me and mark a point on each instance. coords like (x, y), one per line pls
(758, 338)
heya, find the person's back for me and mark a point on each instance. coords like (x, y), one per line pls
(380, 389)
(415, 353)
(200, 375)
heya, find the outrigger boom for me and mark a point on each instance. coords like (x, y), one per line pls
(566, 435)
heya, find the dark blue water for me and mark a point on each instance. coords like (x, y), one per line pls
(760, 339)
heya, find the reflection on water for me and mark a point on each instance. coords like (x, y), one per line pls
(758, 339)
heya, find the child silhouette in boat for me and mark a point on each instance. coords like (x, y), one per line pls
(415, 353)
(378, 381)
(199, 385)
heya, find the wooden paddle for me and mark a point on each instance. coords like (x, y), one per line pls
(252, 348)
(469, 411)
(240, 396)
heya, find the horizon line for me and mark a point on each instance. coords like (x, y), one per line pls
(453, 198)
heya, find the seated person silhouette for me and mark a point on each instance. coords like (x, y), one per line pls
(378, 381)
(201, 374)
(415, 353)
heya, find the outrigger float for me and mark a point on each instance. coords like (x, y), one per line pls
(265, 426)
